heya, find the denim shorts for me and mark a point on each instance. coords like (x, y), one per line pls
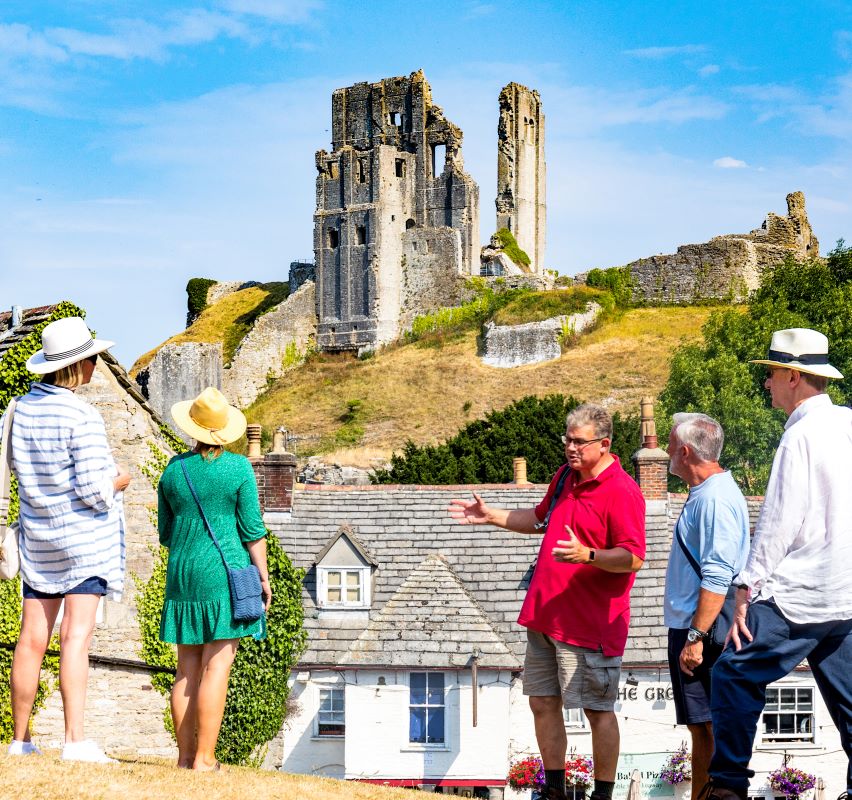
(89, 586)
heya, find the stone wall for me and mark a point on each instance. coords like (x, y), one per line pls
(180, 372)
(727, 267)
(521, 171)
(533, 342)
(278, 341)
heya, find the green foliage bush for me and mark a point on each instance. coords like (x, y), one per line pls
(15, 381)
(538, 306)
(256, 703)
(488, 299)
(196, 296)
(511, 248)
(715, 378)
(483, 450)
(616, 280)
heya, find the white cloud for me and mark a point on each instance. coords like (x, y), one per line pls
(20, 40)
(709, 69)
(726, 162)
(478, 10)
(285, 11)
(659, 53)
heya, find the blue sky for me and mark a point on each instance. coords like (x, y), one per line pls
(144, 143)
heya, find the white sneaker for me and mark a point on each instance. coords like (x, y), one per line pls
(19, 748)
(86, 750)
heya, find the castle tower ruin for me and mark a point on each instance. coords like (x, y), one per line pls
(397, 217)
(521, 171)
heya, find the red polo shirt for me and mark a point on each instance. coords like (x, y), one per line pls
(579, 603)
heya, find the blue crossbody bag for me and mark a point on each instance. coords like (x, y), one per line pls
(244, 583)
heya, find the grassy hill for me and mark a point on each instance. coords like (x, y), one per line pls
(48, 778)
(226, 321)
(360, 411)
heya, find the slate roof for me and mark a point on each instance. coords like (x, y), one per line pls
(431, 621)
(402, 526)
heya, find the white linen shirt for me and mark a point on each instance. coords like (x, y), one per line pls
(801, 554)
(72, 521)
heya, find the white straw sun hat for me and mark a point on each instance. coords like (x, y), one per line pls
(209, 419)
(65, 342)
(801, 349)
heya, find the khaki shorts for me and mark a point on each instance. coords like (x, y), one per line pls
(583, 678)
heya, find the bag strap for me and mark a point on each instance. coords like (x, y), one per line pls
(556, 493)
(6, 461)
(693, 561)
(203, 515)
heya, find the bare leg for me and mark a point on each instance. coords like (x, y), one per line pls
(37, 623)
(702, 752)
(185, 701)
(216, 660)
(550, 730)
(605, 743)
(75, 636)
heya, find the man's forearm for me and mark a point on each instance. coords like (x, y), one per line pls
(522, 520)
(617, 559)
(709, 606)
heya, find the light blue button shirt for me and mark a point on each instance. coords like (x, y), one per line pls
(714, 527)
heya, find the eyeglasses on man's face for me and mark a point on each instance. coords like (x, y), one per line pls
(570, 441)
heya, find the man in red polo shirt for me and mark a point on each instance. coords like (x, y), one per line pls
(577, 608)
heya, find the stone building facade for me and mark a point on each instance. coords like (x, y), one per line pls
(727, 267)
(392, 201)
(521, 171)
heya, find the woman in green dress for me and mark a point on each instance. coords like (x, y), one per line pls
(197, 614)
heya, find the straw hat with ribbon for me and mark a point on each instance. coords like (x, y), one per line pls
(65, 342)
(209, 419)
(801, 349)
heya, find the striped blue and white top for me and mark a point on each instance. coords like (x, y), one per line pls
(72, 521)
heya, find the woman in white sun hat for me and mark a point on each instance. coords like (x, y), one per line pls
(71, 527)
(198, 614)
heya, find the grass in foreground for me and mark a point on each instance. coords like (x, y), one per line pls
(428, 393)
(48, 778)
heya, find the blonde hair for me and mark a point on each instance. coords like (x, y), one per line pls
(69, 377)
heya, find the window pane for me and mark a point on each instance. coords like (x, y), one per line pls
(788, 699)
(803, 724)
(353, 595)
(787, 723)
(436, 725)
(334, 595)
(417, 725)
(334, 579)
(436, 689)
(770, 723)
(325, 699)
(353, 578)
(805, 699)
(771, 699)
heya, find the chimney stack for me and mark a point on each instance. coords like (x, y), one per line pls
(275, 472)
(652, 463)
(17, 316)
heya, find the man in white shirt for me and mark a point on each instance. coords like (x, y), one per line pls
(794, 600)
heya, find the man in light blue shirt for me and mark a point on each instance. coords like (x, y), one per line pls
(709, 548)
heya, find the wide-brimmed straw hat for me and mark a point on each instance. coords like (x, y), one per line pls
(801, 349)
(209, 419)
(65, 342)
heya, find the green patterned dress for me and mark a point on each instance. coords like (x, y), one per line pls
(197, 608)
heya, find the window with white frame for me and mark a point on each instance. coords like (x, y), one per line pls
(575, 719)
(789, 714)
(426, 708)
(331, 719)
(344, 587)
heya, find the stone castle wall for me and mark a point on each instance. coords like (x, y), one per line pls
(727, 267)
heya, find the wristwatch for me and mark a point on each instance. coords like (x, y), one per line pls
(694, 635)
(591, 556)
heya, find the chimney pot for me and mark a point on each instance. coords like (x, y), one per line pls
(17, 316)
(519, 470)
(253, 432)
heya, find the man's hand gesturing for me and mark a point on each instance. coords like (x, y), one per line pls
(571, 551)
(469, 512)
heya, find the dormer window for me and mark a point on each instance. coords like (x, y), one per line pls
(344, 572)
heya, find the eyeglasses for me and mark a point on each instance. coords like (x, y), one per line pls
(579, 443)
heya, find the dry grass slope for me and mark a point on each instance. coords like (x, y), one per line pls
(48, 778)
(427, 393)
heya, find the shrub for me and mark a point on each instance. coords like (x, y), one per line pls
(511, 248)
(617, 280)
(538, 306)
(196, 297)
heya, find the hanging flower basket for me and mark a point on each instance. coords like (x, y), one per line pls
(791, 781)
(528, 773)
(579, 771)
(678, 766)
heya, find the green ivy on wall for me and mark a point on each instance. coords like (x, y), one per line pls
(257, 691)
(196, 297)
(15, 381)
